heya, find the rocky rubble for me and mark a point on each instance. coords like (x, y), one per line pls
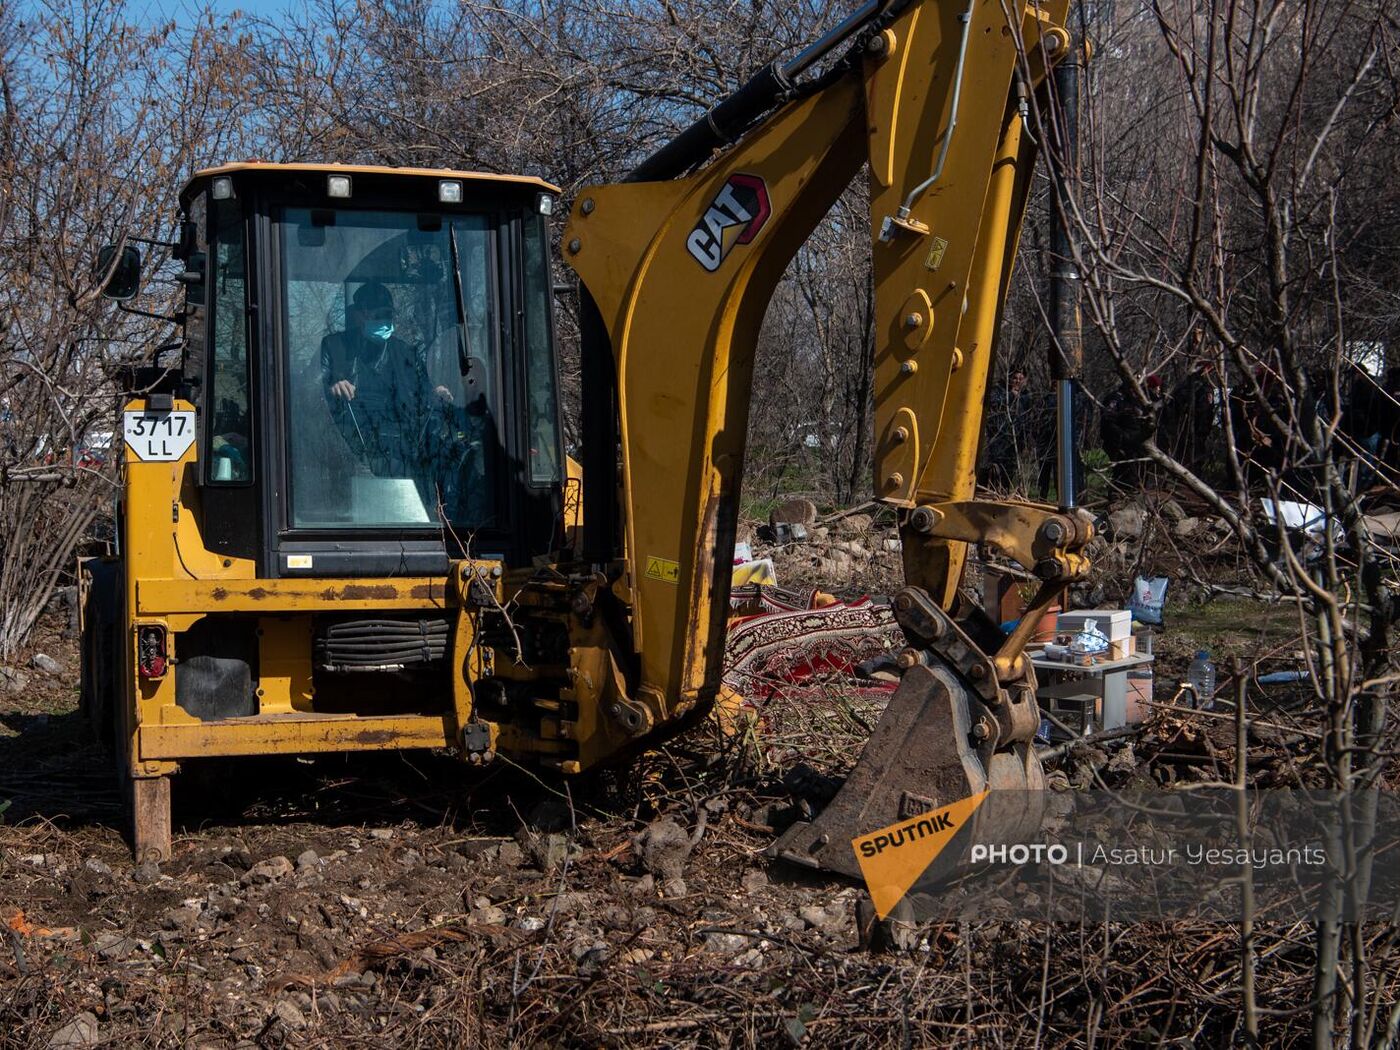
(839, 553)
(358, 934)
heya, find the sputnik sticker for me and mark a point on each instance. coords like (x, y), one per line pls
(735, 216)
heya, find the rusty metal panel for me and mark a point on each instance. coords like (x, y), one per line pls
(293, 734)
(157, 596)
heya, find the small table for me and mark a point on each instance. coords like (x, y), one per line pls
(1106, 680)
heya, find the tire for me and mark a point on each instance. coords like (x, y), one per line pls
(100, 669)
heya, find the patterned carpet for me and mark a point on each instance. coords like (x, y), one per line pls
(782, 638)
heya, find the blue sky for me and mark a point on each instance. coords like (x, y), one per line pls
(151, 11)
(262, 8)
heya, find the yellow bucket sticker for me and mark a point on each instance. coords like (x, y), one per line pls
(893, 858)
(663, 569)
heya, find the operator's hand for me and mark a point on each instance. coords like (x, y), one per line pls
(344, 389)
(443, 394)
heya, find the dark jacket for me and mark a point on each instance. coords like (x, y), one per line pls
(393, 401)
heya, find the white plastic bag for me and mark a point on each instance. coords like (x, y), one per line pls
(1090, 641)
(1149, 599)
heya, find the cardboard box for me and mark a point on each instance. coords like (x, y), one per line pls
(1116, 624)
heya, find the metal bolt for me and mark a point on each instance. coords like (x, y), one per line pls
(980, 731)
(909, 368)
(978, 671)
(900, 435)
(574, 246)
(923, 519)
(588, 206)
(877, 44)
(894, 480)
(1053, 531)
(1049, 569)
(913, 320)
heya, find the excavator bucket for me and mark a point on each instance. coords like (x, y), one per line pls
(943, 737)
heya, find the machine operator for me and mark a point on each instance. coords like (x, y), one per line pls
(378, 387)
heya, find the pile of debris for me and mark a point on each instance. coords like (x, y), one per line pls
(852, 548)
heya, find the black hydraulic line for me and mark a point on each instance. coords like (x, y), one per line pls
(735, 113)
(721, 125)
(1066, 293)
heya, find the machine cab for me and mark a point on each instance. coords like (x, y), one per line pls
(371, 353)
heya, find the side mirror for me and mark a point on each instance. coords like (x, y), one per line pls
(125, 272)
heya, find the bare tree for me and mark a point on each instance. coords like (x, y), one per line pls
(103, 119)
(1240, 270)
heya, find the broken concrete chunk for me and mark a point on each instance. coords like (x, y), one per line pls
(729, 943)
(13, 680)
(490, 915)
(271, 870)
(81, 1031)
(663, 847)
(1187, 527)
(753, 881)
(147, 872)
(1127, 521)
(547, 852)
(793, 512)
(114, 946)
(289, 1015)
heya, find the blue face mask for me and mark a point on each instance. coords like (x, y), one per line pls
(380, 330)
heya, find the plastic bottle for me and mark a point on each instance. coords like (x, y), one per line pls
(1201, 675)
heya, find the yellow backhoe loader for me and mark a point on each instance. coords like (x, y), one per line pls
(347, 521)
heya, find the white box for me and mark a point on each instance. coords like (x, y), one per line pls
(1115, 624)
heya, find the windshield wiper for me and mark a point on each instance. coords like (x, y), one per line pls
(464, 341)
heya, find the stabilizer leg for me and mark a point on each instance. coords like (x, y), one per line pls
(149, 799)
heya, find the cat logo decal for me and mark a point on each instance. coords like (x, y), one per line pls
(735, 216)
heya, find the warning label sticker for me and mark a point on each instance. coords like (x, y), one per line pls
(663, 569)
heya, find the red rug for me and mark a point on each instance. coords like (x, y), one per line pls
(783, 646)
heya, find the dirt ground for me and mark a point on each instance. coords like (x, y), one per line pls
(404, 900)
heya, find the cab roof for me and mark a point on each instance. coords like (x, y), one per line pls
(262, 167)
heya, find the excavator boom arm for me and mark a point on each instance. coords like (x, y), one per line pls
(677, 273)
